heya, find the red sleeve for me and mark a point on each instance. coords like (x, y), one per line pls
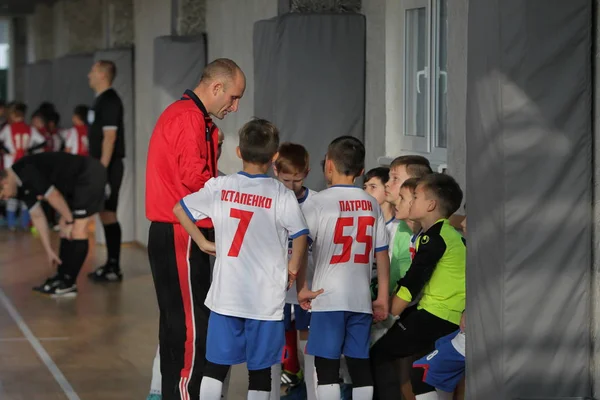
(191, 150)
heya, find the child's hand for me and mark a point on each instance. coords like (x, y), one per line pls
(291, 279)
(463, 322)
(305, 297)
(208, 247)
(53, 259)
(380, 310)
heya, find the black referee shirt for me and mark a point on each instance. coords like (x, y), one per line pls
(107, 112)
(38, 172)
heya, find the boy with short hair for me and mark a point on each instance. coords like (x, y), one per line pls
(76, 138)
(348, 232)
(18, 139)
(254, 215)
(443, 369)
(438, 272)
(291, 168)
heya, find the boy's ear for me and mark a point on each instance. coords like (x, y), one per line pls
(238, 152)
(275, 157)
(274, 168)
(432, 205)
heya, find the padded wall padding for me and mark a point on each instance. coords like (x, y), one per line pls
(529, 179)
(178, 65)
(70, 85)
(309, 71)
(123, 84)
(38, 85)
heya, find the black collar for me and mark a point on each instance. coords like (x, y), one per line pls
(189, 93)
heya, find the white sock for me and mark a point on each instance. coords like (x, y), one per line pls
(155, 384)
(210, 388)
(257, 395)
(310, 376)
(226, 385)
(362, 393)
(275, 382)
(329, 392)
(444, 395)
(427, 396)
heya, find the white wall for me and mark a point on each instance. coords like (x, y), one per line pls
(229, 24)
(375, 113)
(152, 18)
(457, 90)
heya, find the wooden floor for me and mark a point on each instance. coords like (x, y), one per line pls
(97, 346)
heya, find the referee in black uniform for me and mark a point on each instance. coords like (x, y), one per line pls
(107, 144)
(73, 185)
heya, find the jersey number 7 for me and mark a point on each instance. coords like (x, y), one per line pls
(238, 238)
(348, 241)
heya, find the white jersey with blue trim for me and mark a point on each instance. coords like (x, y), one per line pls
(253, 216)
(346, 228)
(292, 294)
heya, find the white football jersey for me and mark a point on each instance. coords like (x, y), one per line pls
(292, 294)
(17, 139)
(253, 216)
(347, 228)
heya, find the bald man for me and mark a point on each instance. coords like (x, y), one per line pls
(107, 144)
(182, 157)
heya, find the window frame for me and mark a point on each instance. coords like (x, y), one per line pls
(397, 142)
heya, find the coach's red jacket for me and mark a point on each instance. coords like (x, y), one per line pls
(182, 156)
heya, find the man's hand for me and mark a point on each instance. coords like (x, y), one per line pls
(463, 322)
(53, 259)
(305, 297)
(380, 309)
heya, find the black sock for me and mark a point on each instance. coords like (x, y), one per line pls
(79, 251)
(64, 253)
(112, 235)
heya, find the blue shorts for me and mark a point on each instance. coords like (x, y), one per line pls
(444, 367)
(333, 333)
(233, 340)
(301, 317)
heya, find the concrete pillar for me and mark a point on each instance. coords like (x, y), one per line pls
(18, 52)
(595, 367)
(457, 90)
(40, 34)
(189, 17)
(375, 107)
(230, 26)
(119, 23)
(152, 18)
(340, 6)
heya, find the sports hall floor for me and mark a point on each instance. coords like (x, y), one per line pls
(97, 346)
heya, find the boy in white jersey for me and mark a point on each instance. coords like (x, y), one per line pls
(18, 140)
(348, 232)
(291, 168)
(254, 215)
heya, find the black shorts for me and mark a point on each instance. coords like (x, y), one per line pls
(88, 195)
(114, 179)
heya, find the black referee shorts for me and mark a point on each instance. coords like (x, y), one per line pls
(115, 177)
(88, 194)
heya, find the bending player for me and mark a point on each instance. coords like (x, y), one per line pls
(253, 216)
(74, 187)
(291, 168)
(348, 233)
